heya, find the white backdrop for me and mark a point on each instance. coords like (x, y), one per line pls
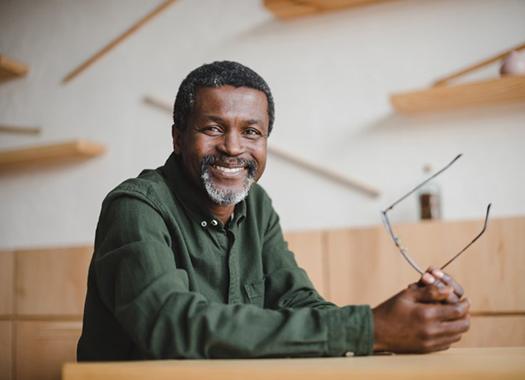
(330, 74)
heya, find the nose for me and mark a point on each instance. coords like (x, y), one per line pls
(232, 144)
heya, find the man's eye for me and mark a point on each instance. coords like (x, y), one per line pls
(252, 132)
(213, 130)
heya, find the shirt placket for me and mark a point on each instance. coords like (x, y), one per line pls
(234, 295)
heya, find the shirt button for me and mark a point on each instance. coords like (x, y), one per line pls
(203, 223)
(214, 222)
(349, 354)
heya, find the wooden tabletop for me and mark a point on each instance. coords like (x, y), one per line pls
(459, 363)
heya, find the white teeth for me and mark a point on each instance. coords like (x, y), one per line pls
(228, 170)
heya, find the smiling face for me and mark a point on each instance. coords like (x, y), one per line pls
(223, 147)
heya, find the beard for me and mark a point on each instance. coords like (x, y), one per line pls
(224, 196)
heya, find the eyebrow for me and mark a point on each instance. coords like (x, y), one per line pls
(220, 119)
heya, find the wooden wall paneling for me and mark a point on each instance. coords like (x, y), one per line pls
(42, 347)
(365, 266)
(495, 331)
(309, 251)
(7, 279)
(51, 282)
(6, 350)
(489, 271)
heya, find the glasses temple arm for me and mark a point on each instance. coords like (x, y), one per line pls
(403, 251)
(472, 242)
(424, 182)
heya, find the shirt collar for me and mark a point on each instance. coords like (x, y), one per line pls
(190, 198)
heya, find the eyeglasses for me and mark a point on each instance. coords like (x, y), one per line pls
(396, 240)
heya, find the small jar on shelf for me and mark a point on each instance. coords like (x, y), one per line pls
(429, 197)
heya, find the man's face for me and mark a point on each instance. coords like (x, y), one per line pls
(223, 147)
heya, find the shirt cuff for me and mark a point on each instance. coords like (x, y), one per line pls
(350, 331)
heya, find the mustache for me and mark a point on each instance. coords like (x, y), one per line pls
(210, 160)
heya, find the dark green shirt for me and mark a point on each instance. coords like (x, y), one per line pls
(168, 280)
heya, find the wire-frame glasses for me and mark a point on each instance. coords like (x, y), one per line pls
(396, 240)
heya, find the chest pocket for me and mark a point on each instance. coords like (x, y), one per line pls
(254, 292)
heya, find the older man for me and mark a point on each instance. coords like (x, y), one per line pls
(190, 260)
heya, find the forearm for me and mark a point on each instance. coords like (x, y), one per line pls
(186, 326)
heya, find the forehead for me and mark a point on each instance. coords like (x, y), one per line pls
(231, 101)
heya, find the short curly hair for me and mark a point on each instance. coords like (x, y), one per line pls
(217, 74)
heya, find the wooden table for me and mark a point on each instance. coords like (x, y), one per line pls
(459, 363)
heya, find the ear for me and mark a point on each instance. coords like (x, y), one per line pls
(177, 139)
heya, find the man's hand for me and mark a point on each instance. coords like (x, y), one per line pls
(427, 316)
(440, 279)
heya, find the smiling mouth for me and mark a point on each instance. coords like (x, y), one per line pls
(229, 171)
(229, 168)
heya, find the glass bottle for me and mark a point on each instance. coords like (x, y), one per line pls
(429, 197)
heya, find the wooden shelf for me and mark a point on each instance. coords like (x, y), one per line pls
(10, 69)
(488, 92)
(286, 9)
(64, 152)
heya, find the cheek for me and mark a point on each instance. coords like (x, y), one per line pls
(260, 156)
(203, 145)
(197, 147)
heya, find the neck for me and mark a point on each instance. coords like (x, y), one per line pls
(223, 213)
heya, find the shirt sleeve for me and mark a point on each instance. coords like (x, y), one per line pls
(139, 282)
(287, 285)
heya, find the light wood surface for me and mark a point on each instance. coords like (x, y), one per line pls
(503, 90)
(42, 347)
(309, 252)
(478, 65)
(350, 183)
(65, 152)
(10, 69)
(7, 280)
(494, 331)
(488, 270)
(4, 128)
(286, 9)
(479, 364)
(111, 45)
(6, 350)
(52, 282)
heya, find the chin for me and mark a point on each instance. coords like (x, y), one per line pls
(223, 195)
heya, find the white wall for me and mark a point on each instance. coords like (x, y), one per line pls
(330, 74)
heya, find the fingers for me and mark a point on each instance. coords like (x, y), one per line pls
(448, 312)
(436, 334)
(440, 344)
(447, 334)
(404, 323)
(448, 280)
(441, 287)
(439, 279)
(431, 291)
(457, 327)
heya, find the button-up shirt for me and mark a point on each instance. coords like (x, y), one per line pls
(169, 280)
